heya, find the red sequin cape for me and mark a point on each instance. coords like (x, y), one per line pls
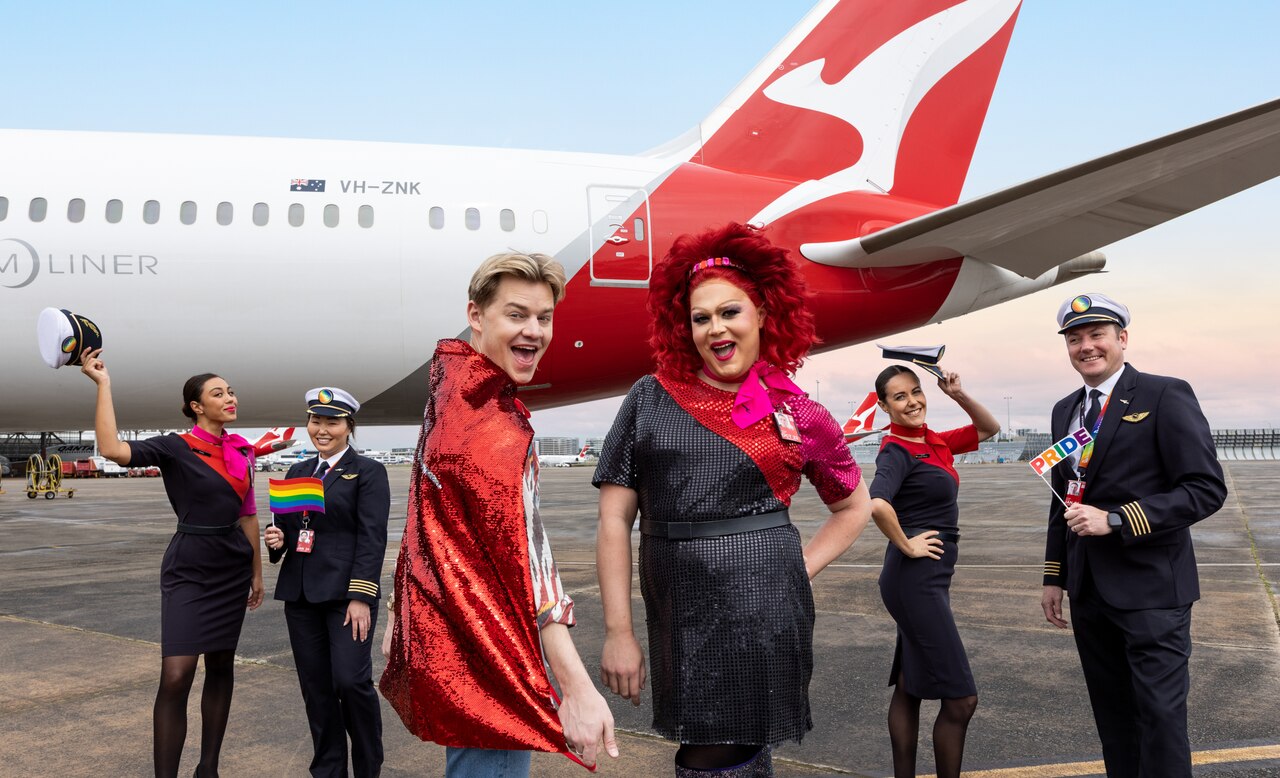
(466, 666)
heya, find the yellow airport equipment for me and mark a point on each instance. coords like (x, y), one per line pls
(44, 476)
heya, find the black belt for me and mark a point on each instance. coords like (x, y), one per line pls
(946, 536)
(200, 529)
(684, 530)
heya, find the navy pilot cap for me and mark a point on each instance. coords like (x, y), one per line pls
(331, 402)
(1091, 309)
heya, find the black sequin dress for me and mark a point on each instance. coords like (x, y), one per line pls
(730, 618)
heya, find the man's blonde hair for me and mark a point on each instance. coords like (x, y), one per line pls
(529, 267)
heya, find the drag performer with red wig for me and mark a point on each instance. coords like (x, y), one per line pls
(709, 450)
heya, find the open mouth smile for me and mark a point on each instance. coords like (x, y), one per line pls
(724, 350)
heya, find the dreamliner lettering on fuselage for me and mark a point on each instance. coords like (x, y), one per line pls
(21, 265)
(381, 187)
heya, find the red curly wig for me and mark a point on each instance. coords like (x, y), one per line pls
(770, 278)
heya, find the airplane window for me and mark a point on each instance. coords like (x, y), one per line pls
(296, 215)
(540, 222)
(639, 229)
(365, 216)
(260, 214)
(507, 219)
(472, 218)
(151, 212)
(224, 214)
(75, 211)
(4, 208)
(187, 213)
(435, 217)
(115, 211)
(331, 215)
(39, 207)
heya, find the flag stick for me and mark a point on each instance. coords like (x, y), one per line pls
(1054, 491)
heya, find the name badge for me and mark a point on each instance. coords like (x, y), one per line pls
(306, 539)
(787, 428)
(1075, 492)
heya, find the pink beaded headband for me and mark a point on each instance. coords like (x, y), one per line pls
(715, 262)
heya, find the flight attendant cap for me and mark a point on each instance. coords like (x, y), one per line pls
(331, 401)
(63, 335)
(1090, 309)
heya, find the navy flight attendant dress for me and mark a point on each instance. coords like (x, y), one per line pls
(921, 484)
(208, 568)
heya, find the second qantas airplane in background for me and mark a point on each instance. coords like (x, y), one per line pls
(849, 142)
(563, 460)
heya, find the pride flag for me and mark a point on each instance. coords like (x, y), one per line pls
(1059, 451)
(289, 495)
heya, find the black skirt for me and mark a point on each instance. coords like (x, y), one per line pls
(204, 591)
(929, 654)
(730, 623)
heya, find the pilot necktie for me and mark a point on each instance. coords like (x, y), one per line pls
(324, 468)
(1095, 405)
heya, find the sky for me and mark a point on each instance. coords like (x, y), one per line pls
(1081, 79)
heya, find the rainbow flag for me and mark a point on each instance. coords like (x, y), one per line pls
(289, 495)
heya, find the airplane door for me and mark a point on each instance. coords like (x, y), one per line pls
(618, 219)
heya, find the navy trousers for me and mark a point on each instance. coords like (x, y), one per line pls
(1135, 665)
(336, 675)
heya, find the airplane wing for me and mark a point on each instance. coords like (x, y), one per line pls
(1037, 225)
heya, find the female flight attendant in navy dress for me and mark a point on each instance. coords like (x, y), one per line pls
(709, 451)
(212, 569)
(913, 502)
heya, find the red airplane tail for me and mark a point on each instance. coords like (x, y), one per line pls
(865, 95)
(274, 439)
(860, 423)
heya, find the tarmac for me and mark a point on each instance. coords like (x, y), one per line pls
(80, 631)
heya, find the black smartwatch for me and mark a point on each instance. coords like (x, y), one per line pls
(1115, 520)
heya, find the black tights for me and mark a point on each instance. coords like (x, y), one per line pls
(170, 715)
(948, 732)
(714, 757)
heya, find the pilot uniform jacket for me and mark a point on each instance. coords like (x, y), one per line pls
(1154, 463)
(351, 535)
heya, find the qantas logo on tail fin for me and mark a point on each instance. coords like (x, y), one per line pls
(879, 96)
(860, 423)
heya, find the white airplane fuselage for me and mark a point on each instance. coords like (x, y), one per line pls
(176, 299)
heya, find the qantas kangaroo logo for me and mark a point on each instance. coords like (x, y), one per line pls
(879, 96)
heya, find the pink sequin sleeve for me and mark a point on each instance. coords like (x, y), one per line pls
(828, 463)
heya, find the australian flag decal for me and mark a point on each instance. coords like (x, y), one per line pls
(306, 185)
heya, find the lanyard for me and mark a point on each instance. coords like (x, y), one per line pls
(1087, 452)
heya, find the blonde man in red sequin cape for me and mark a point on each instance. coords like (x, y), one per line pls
(479, 610)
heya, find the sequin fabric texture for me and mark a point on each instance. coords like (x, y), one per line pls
(466, 666)
(730, 618)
